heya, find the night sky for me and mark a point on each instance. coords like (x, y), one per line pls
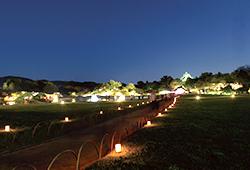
(126, 40)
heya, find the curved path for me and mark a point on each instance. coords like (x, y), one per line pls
(41, 155)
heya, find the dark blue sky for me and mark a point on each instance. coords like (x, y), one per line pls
(126, 40)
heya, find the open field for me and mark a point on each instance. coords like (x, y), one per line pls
(210, 133)
(44, 121)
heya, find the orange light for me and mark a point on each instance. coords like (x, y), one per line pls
(7, 128)
(118, 148)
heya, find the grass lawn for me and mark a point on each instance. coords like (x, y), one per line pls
(28, 116)
(210, 133)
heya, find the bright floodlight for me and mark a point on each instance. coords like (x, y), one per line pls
(118, 148)
(7, 128)
(180, 91)
(197, 97)
(94, 98)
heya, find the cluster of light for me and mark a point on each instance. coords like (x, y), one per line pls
(118, 148)
(121, 98)
(11, 103)
(119, 108)
(101, 112)
(180, 91)
(66, 119)
(94, 98)
(7, 128)
(197, 97)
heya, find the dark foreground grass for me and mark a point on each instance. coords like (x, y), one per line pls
(212, 133)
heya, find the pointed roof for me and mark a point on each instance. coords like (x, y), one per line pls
(185, 76)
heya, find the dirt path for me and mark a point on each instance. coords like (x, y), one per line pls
(41, 155)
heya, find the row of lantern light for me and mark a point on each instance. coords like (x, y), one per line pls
(118, 147)
(129, 106)
(149, 123)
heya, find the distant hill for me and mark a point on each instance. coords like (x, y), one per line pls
(14, 83)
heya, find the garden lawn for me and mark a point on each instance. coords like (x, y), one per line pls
(210, 133)
(36, 119)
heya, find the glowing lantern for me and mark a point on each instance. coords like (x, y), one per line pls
(101, 112)
(119, 108)
(197, 97)
(7, 128)
(148, 123)
(118, 148)
(66, 119)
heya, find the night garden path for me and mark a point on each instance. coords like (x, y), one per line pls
(41, 155)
